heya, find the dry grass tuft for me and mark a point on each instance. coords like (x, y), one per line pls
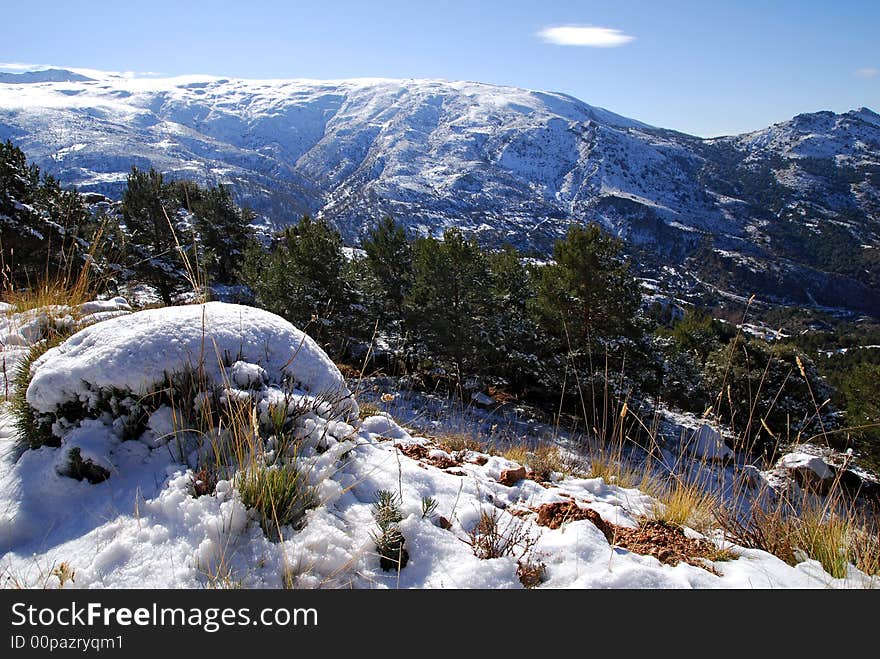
(542, 461)
(687, 503)
(455, 441)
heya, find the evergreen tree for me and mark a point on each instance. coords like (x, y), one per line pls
(588, 293)
(45, 230)
(157, 243)
(767, 392)
(389, 259)
(224, 232)
(300, 279)
(860, 388)
(587, 304)
(698, 333)
(447, 306)
(514, 338)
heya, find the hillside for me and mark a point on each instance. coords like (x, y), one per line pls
(217, 446)
(789, 212)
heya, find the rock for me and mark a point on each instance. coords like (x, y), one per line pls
(809, 471)
(512, 476)
(709, 445)
(479, 399)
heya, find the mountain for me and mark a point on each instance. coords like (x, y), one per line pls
(46, 75)
(790, 212)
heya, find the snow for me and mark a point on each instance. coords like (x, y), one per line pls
(479, 398)
(708, 444)
(511, 165)
(440, 148)
(806, 461)
(135, 353)
(143, 527)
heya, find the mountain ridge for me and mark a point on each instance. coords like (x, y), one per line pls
(502, 163)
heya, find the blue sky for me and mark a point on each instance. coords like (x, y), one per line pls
(707, 68)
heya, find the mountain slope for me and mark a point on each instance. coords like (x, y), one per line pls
(790, 212)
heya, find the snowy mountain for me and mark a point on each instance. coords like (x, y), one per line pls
(791, 213)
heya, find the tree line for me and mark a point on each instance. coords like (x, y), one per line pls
(443, 308)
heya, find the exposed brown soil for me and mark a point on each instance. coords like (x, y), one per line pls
(348, 371)
(662, 540)
(502, 396)
(420, 452)
(554, 515)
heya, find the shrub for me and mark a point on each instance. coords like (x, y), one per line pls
(279, 494)
(31, 430)
(488, 540)
(767, 392)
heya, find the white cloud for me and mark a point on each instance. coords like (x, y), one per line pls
(868, 72)
(21, 66)
(91, 73)
(584, 35)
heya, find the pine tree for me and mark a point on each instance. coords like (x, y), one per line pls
(588, 294)
(45, 230)
(514, 338)
(450, 298)
(389, 258)
(587, 304)
(157, 243)
(300, 278)
(224, 232)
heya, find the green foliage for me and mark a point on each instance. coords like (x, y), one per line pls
(429, 507)
(761, 390)
(825, 245)
(860, 388)
(699, 333)
(45, 230)
(280, 494)
(587, 306)
(31, 429)
(156, 241)
(300, 278)
(389, 540)
(389, 259)
(513, 338)
(684, 385)
(450, 299)
(588, 293)
(223, 229)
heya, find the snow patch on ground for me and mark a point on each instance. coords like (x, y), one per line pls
(144, 527)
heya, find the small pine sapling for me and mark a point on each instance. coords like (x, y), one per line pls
(389, 540)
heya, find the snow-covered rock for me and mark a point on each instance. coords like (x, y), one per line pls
(135, 355)
(708, 444)
(805, 461)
